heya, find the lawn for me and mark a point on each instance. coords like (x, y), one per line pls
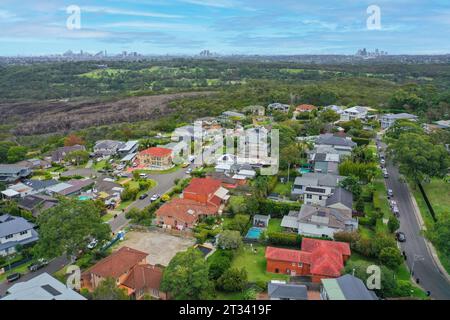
(381, 194)
(173, 169)
(22, 269)
(283, 189)
(107, 217)
(255, 264)
(274, 225)
(135, 184)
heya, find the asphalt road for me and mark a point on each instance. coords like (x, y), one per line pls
(426, 270)
(165, 183)
(54, 265)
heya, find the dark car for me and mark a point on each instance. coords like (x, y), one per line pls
(401, 237)
(143, 196)
(38, 265)
(13, 277)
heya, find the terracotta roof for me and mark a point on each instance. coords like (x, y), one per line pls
(185, 210)
(157, 152)
(310, 245)
(144, 276)
(305, 107)
(287, 255)
(203, 186)
(118, 263)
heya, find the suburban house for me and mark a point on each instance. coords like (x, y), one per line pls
(255, 110)
(155, 158)
(127, 148)
(15, 231)
(12, 173)
(28, 187)
(70, 188)
(341, 151)
(227, 181)
(231, 115)
(317, 259)
(206, 191)
(202, 197)
(59, 154)
(347, 287)
(130, 270)
(305, 108)
(261, 221)
(105, 148)
(389, 119)
(355, 113)
(37, 203)
(33, 164)
(315, 188)
(340, 199)
(183, 214)
(329, 139)
(338, 109)
(325, 162)
(41, 287)
(317, 221)
(16, 191)
(443, 124)
(280, 290)
(278, 107)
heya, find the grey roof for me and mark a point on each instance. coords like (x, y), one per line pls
(84, 172)
(287, 291)
(40, 184)
(31, 202)
(12, 244)
(42, 287)
(261, 217)
(60, 153)
(330, 139)
(341, 195)
(11, 169)
(354, 289)
(108, 144)
(331, 217)
(11, 225)
(233, 114)
(399, 116)
(319, 179)
(127, 146)
(290, 221)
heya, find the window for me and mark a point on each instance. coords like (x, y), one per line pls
(320, 197)
(9, 236)
(309, 196)
(23, 232)
(300, 265)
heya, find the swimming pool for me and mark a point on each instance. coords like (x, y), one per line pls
(84, 198)
(254, 233)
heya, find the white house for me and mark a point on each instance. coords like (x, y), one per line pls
(354, 113)
(278, 107)
(389, 119)
(15, 231)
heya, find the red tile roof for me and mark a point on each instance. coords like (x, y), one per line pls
(305, 107)
(204, 186)
(185, 210)
(325, 257)
(144, 276)
(287, 255)
(157, 152)
(118, 263)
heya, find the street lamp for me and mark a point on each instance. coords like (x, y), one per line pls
(417, 257)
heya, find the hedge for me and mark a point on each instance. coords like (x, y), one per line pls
(284, 239)
(277, 209)
(361, 141)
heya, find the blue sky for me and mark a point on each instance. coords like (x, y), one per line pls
(32, 27)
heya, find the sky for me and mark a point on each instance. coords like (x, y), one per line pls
(36, 27)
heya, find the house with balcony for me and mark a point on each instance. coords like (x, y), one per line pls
(11, 173)
(15, 231)
(155, 158)
(387, 120)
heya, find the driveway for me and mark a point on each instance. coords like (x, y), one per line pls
(427, 271)
(160, 246)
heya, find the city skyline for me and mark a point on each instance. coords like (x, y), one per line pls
(186, 27)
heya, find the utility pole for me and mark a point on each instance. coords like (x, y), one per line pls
(289, 167)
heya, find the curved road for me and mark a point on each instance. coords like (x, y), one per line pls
(425, 268)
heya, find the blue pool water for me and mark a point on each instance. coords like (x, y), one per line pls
(304, 170)
(83, 198)
(254, 233)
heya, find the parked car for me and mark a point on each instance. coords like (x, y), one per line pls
(38, 265)
(382, 161)
(143, 196)
(189, 171)
(401, 237)
(155, 197)
(390, 193)
(393, 203)
(185, 165)
(92, 244)
(13, 277)
(395, 210)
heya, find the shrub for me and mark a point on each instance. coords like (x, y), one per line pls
(230, 239)
(233, 280)
(219, 262)
(284, 239)
(277, 209)
(391, 257)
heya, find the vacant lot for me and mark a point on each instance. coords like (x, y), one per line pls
(52, 117)
(161, 247)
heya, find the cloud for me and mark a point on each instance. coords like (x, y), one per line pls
(117, 11)
(212, 3)
(154, 25)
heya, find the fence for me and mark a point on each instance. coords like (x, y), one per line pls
(427, 201)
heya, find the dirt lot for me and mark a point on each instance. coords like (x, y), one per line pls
(160, 246)
(50, 117)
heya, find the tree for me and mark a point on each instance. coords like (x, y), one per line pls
(439, 234)
(72, 140)
(261, 186)
(393, 224)
(186, 276)
(233, 280)
(362, 171)
(329, 116)
(108, 290)
(418, 158)
(78, 157)
(69, 227)
(291, 155)
(230, 239)
(362, 154)
(351, 237)
(351, 184)
(16, 154)
(219, 262)
(238, 223)
(391, 257)
(403, 126)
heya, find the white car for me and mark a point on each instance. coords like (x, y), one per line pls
(390, 193)
(92, 244)
(393, 203)
(395, 210)
(155, 197)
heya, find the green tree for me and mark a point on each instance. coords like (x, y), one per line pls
(238, 223)
(352, 184)
(233, 280)
(69, 227)
(230, 239)
(108, 290)
(329, 116)
(16, 154)
(186, 276)
(391, 257)
(439, 234)
(78, 157)
(393, 224)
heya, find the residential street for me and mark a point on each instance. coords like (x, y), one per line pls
(426, 270)
(165, 183)
(51, 268)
